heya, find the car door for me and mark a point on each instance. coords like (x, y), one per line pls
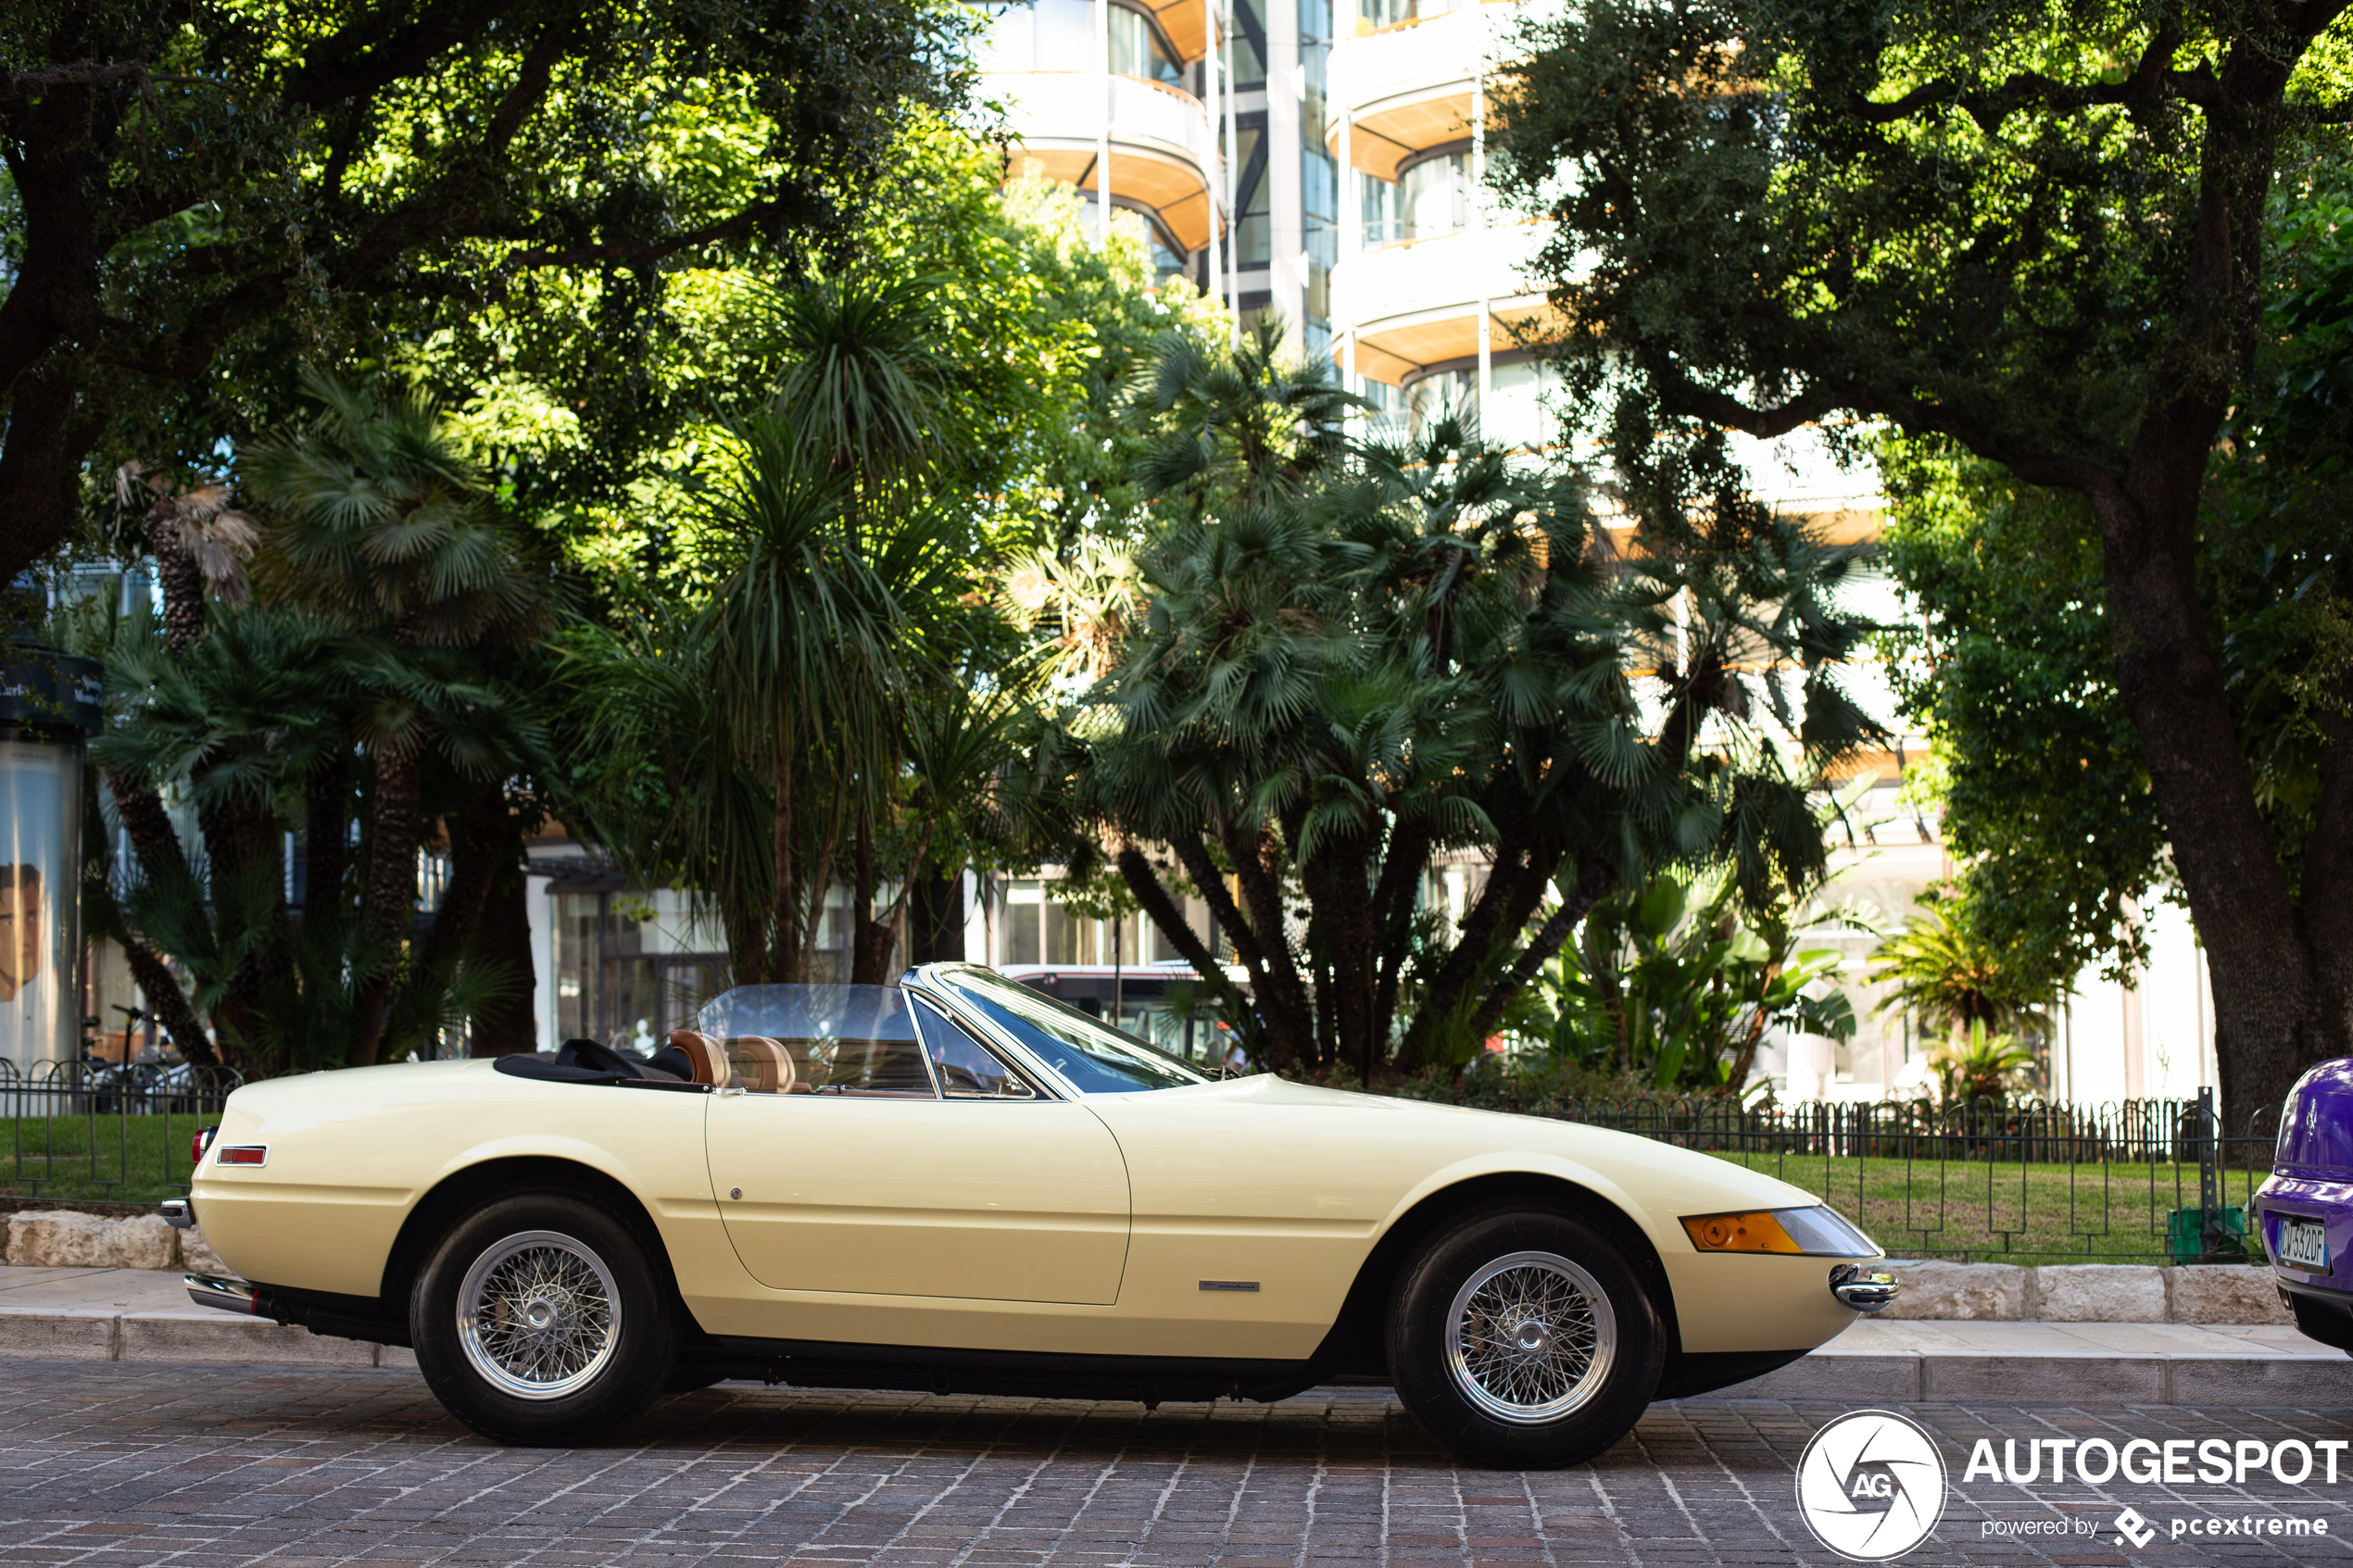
(863, 1176)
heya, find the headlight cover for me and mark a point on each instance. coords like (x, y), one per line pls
(1817, 1232)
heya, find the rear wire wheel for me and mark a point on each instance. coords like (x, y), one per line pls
(539, 1320)
(1522, 1338)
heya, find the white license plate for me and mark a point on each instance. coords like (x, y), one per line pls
(2305, 1244)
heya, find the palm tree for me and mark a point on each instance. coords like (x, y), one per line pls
(379, 524)
(799, 637)
(672, 793)
(1941, 971)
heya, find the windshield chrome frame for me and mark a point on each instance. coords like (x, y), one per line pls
(924, 980)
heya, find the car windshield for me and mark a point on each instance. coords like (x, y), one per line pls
(1094, 1059)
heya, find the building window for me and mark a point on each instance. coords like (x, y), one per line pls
(1376, 199)
(1315, 52)
(1375, 14)
(1249, 44)
(1433, 195)
(1138, 49)
(630, 967)
(1253, 233)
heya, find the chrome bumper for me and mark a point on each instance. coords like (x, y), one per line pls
(228, 1294)
(1863, 1292)
(177, 1213)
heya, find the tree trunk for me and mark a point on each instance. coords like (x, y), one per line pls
(936, 920)
(325, 837)
(178, 574)
(788, 922)
(170, 1005)
(481, 851)
(1163, 911)
(872, 941)
(508, 1027)
(389, 904)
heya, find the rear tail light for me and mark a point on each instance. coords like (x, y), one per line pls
(202, 1141)
(246, 1154)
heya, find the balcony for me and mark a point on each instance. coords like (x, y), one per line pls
(1408, 87)
(1416, 303)
(1163, 154)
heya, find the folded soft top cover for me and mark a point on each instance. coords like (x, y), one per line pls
(585, 1061)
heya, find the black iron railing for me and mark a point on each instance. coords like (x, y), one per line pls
(105, 1130)
(2135, 1181)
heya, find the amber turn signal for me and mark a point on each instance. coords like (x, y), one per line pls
(1758, 1231)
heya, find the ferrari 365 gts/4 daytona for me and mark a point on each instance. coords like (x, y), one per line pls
(956, 1184)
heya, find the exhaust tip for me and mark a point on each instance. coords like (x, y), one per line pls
(177, 1213)
(228, 1294)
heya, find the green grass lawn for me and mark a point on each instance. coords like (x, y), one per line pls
(2005, 1213)
(104, 1159)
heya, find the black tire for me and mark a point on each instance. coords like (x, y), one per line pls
(1575, 1386)
(581, 1373)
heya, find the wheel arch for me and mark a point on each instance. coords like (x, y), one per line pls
(1354, 1346)
(463, 1190)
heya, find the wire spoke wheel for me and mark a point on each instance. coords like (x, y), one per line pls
(1530, 1338)
(538, 1315)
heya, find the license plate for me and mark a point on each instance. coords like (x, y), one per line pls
(2305, 1244)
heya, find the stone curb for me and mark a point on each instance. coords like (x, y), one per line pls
(2216, 1381)
(33, 1334)
(2008, 1376)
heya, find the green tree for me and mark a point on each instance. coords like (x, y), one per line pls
(1346, 663)
(348, 176)
(1681, 993)
(1943, 970)
(2044, 785)
(2036, 234)
(378, 526)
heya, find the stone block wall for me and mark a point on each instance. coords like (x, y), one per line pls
(2208, 1292)
(65, 1238)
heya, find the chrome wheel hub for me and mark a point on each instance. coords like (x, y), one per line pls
(1530, 1338)
(538, 1315)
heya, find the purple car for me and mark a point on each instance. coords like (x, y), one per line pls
(2305, 1211)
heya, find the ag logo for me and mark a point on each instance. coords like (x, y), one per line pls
(1871, 1486)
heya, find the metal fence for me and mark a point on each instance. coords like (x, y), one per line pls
(2139, 1181)
(2134, 1181)
(105, 1130)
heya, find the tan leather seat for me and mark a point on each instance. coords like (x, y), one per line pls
(705, 1054)
(761, 1065)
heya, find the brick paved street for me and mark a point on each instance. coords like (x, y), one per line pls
(117, 1465)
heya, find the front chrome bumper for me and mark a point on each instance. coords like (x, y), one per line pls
(228, 1294)
(1864, 1292)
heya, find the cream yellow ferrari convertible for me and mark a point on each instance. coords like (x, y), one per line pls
(957, 1183)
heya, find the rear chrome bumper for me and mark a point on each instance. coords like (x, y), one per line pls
(1864, 1292)
(228, 1294)
(177, 1213)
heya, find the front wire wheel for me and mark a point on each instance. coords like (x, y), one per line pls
(1530, 1338)
(1522, 1338)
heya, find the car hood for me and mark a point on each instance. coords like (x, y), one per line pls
(1456, 1132)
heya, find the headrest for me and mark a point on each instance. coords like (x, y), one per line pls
(703, 1054)
(761, 1065)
